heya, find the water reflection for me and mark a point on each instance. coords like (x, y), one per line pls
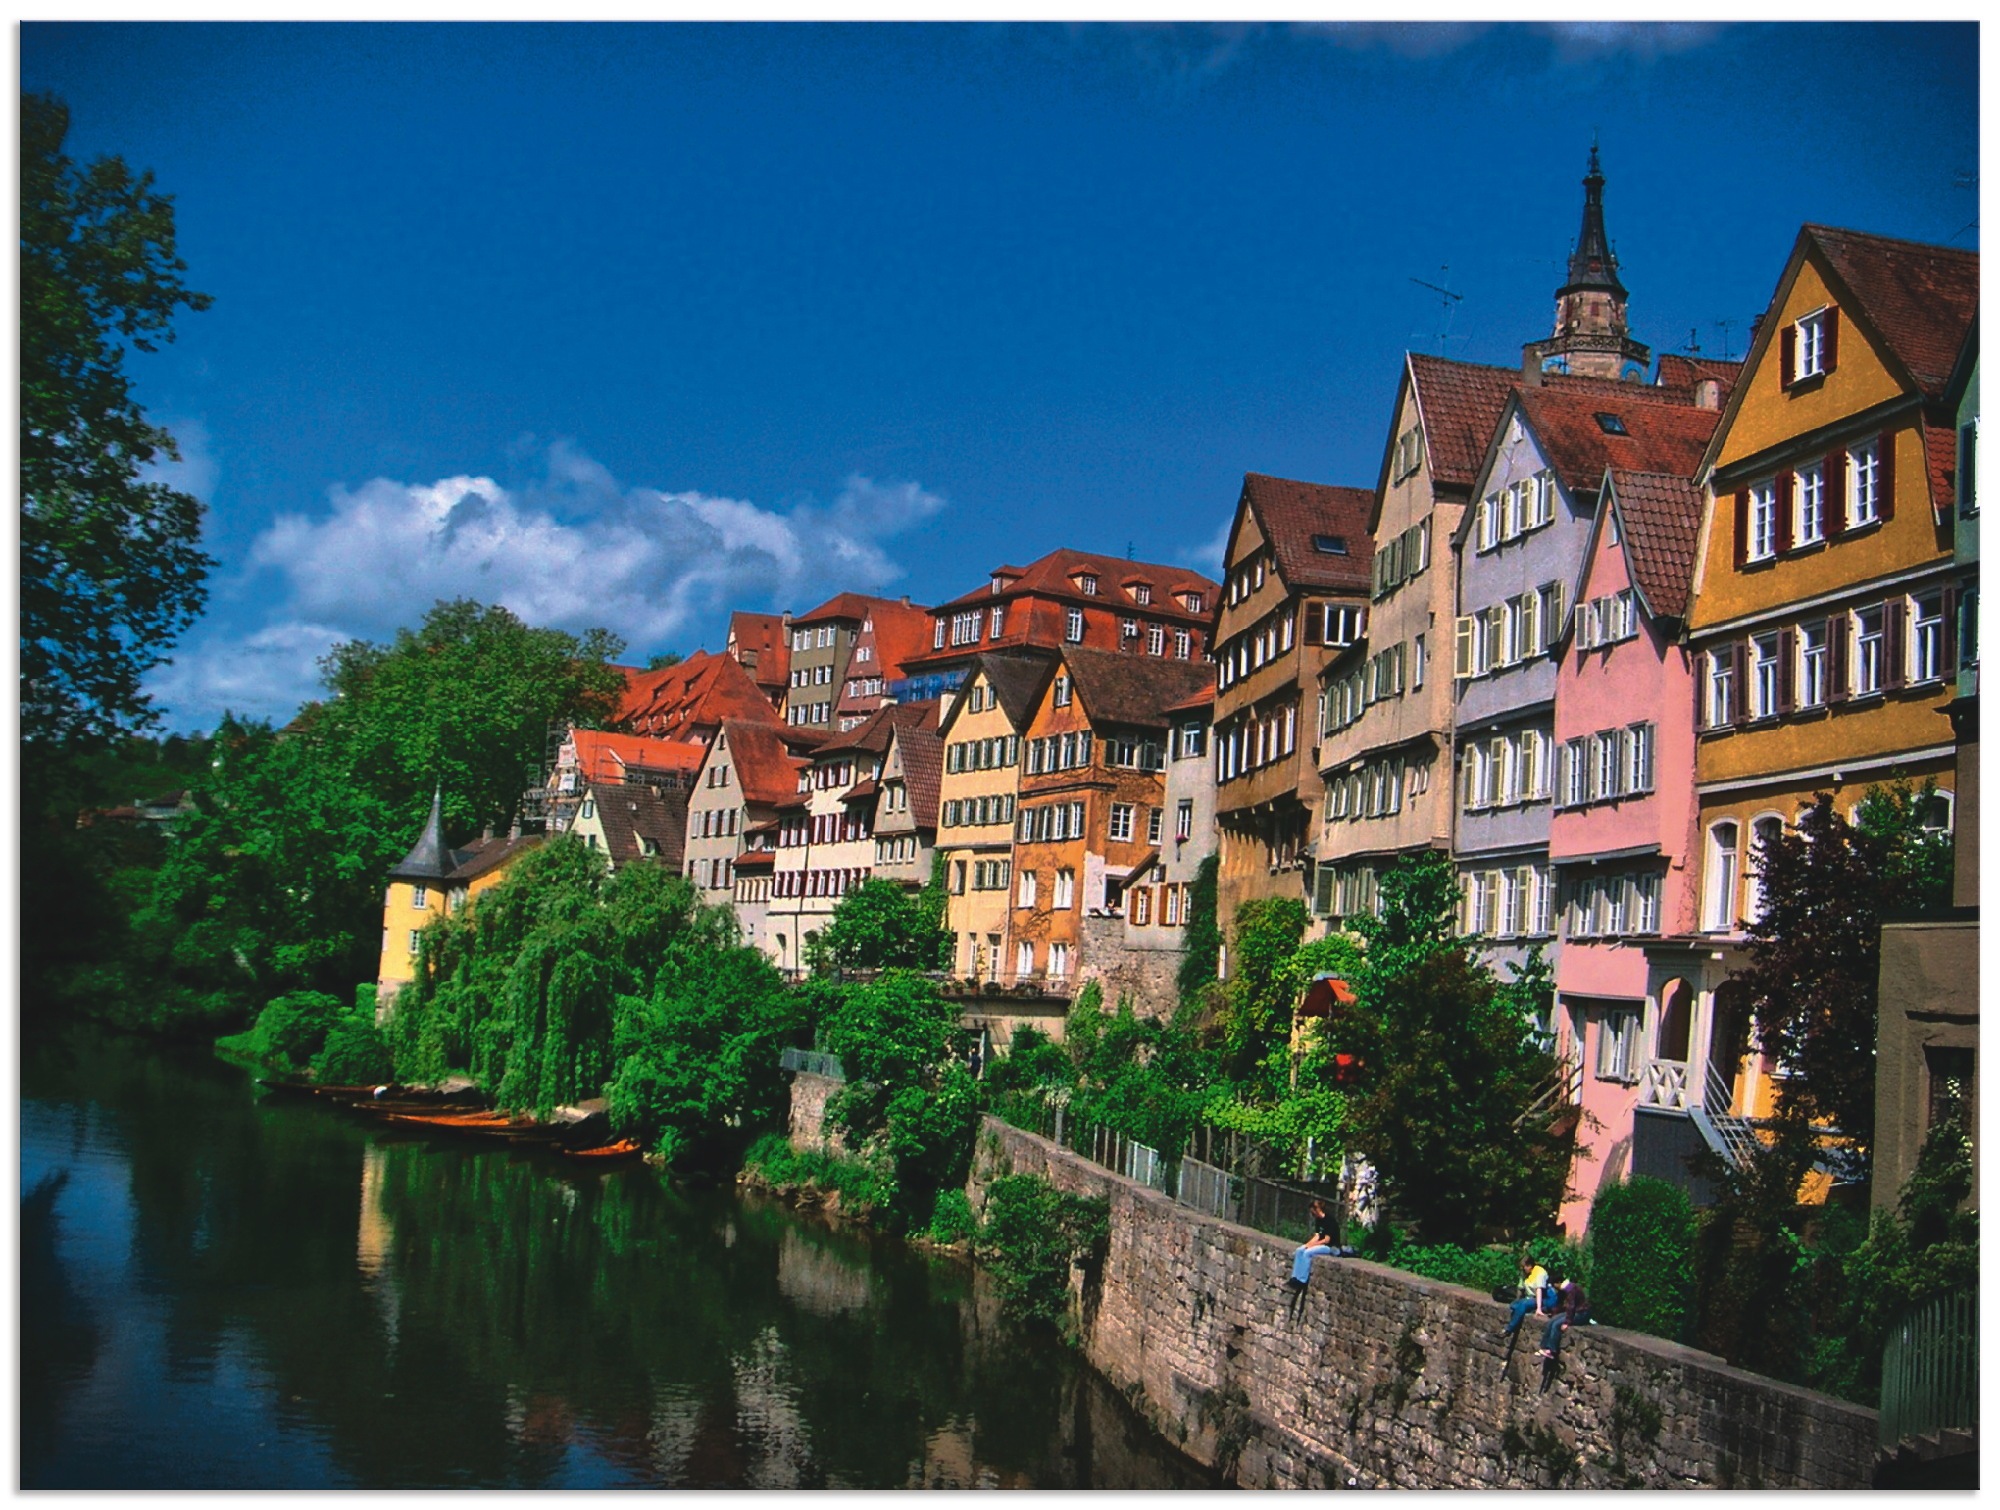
(225, 1291)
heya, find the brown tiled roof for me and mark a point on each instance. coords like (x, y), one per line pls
(1133, 689)
(482, 855)
(766, 771)
(605, 756)
(761, 637)
(1460, 403)
(923, 760)
(1919, 299)
(1052, 576)
(901, 634)
(856, 606)
(1294, 515)
(698, 693)
(1660, 437)
(871, 734)
(1941, 463)
(1017, 677)
(631, 813)
(1680, 371)
(1660, 519)
(1202, 700)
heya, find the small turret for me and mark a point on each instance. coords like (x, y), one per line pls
(1591, 337)
(429, 860)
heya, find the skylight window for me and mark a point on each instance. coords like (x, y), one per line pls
(1611, 424)
(1330, 545)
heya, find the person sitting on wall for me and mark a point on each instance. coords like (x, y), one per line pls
(1325, 1239)
(1537, 1295)
(1575, 1311)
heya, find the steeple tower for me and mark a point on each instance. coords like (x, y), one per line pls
(1591, 337)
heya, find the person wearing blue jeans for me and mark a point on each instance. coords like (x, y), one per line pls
(1536, 1296)
(1325, 1239)
(1575, 1312)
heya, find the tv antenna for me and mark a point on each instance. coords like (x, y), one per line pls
(1723, 326)
(1446, 302)
(1693, 347)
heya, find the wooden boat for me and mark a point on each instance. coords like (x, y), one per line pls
(624, 1148)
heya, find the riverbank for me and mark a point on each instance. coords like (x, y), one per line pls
(1383, 1379)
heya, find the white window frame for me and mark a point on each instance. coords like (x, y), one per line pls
(1808, 505)
(1763, 675)
(1926, 638)
(1809, 346)
(1722, 874)
(1864, 484)
(1867, 667)
(1762, 523)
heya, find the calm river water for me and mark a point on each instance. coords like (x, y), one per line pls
(221, 1290)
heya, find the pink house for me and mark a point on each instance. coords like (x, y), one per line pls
(1621, 838)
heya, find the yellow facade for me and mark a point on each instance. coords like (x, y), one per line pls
(408, 906)
(977, 910)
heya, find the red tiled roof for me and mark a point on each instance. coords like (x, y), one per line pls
(1294, 515)
(1201, 700)
(871, 734)
(1460, 403)
(767, 771)
(1919, 299)
(602, 756)
(1117, 688)
(922, 754)
(1941, 463)
(1681, 371)
(1053, 576)
(901, 634)
(1660, 437)
(1660, 515)
(698, 693)
(856, 606)
(761, 637)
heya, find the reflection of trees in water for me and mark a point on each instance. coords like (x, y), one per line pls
(59, 1336)
(449, 1314)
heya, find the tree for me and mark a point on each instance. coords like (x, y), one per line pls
(1814, 969)
(1201, 950)
(880, 925)
(111, 566)
(1916, 854)
(663, 660)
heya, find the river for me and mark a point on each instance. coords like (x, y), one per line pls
(224, 1290)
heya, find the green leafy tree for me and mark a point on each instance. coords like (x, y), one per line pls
(1257, 1004)
(111, 568)
(1642, 1256)
(1915, 848)
(664, 660)
(1814, 966)
(1033, 1237)
(1201, 946)
(880, 925)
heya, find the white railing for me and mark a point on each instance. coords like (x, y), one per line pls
(1664, 1083)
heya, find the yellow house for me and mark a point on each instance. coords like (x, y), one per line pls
(1823, 623)
(430, 880)
(982, 728)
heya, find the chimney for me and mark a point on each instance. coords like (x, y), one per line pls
(1708, 394)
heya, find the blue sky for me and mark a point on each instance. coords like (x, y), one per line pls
(632, 325)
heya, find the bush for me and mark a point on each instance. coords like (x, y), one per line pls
(1034, 1234)
(1642, 1256)
(289, 1032)
(952, 1220)
(1484, 1269)
(355, 1054)
(862, 1186)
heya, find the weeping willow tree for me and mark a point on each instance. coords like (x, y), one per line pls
(565, 979)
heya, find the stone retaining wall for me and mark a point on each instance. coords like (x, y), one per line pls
(1386, 1379)
(807, 1127)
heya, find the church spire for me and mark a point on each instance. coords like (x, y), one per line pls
(429, 860)
(1592, 263)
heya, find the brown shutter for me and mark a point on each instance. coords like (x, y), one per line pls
(1895, 618)
(1948, 634)
(1788, 650)
(1788, 336)
(1742, 526)
(1781, 497)
(1700, 680)
(1739, 687)
(1885, 476)
(1830, 337)
(1312, 616)
(1836, 658)
(1833, 492)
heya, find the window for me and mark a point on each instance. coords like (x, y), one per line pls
(1183, 645)
(1409, 452)
(1027, 888)
(1073, 625)
(413, 941)
(1719, 905)
(1864, 478)
(937, 635)
(1927, 638)
(1968, 467)
(1061, 696)
(1721, 688)
(1764, 676)
(1868, 662)
(1604, 770)
(1155, 821)
(1142, 905)
(1638, 753)
(958, 878)
(1184, 819)
(1488, 524)
(1192, 601)
(420, 895)
(1809, 346)
(1809, 505)
(1065, 891)
(1644, 914)
(1764, 835)
(1950, 1073)
(1611, 424)
(1121, 820)
(1024, 958)
(1417, 662)
(1763, 541)
(1058, 961)
(1156, 639)
(1812, 665)
(1618, 1046)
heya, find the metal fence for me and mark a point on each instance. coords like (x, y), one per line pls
(1930, 1370)
(812, 1062)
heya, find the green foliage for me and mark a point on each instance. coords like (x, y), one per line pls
(953, 1221)
(1201, 942)
(895, 1030)
(1642, 1256)
(1916, 861)
(1484, 1269)
(1032, 1238)
(289, 1032)
(881, 925)
(1136, 1075)
(1752, 1265)
(111, 569)
(1256, 1024)
(356, 1053)
(863, 1185)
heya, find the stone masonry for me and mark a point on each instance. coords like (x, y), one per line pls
(807, 1128)
(1389, 1380)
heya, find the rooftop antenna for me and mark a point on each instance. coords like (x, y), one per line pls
(1964, 178)
(1693, 347)
(1723, 326)
(1131, 551)
(1446, 300)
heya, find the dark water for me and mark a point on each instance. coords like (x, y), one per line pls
(223, 1290)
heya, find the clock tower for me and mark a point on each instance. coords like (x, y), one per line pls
(1591, 338)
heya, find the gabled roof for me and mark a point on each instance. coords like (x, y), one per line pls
(870, 735)
(603, 756)
(901, 634)
(761, 638)
(483, 855)
(1294, 515)
(1679, 371)
(922, 753)
(1201, 700)
(1117, 688)
(1017, 677)
(1659, 436)
(632, 813)
(1458, 404)
(1918, 298)
(1054, 576)
(856, 606)
(767, 771)
(697, 693)
(1659, 524)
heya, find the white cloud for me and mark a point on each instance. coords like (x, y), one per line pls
(571, 551)
(1583, 41)
(1206, 558)
(195, 472)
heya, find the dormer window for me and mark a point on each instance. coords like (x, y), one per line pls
(1141, 593)
(1191, 601)
(1087, 585)
(1330, 545)
(1808, 347)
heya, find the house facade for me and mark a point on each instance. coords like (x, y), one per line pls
(891, 634)
(906, 812)
(749, 769)
(633, 821)
(825, 839)
(822, 651)
(1295, 584)
(434, 879)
